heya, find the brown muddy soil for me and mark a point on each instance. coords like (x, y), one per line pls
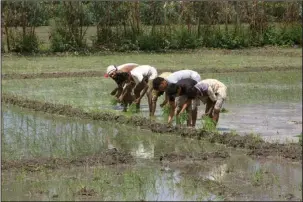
(109, 157)
(101, 73)
(254, 145)
(86, 192)
(171, 157)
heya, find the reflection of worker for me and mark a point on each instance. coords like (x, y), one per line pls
(161, 85)
(140, 80)
(212, 93)
(183, 103)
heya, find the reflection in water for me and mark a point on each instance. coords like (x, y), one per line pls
(143, 152)
(217, 173)
(121, 184)
(32, 135)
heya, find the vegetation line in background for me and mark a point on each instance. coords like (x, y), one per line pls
(255, 146)
(148, 26)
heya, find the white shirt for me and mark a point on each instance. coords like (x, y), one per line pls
(138, 73)
(183, 74)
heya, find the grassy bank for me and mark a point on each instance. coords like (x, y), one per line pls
(203, 59)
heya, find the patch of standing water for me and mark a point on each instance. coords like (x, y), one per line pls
(26, 135)
(111, 183)
(276, 122)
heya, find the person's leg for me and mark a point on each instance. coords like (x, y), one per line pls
(221, 95)
(128, 98)
(137, 92)
(180, 101)
(189, 114)
(217, 108)
(118, 92)
(195, 104)
(154, 95)
(149, 96)
(209, 108)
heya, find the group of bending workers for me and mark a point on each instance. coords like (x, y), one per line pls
(183, 90)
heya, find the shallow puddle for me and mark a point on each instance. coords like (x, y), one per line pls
(28, 135)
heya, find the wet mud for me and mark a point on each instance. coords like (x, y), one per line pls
(109, 157)
(101, 73)
(254, 145)
(171, 157)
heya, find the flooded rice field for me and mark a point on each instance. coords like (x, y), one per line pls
(93, 152)
(267, 103)
(46, 157)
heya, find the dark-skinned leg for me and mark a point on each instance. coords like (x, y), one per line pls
(153, 102)
(216, 114)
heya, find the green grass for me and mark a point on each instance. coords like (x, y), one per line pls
(199, 59)
(94, 93)
(300, 138)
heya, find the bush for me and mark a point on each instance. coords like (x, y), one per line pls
(62, 39)
(182, 38)
(153, 42)
(26, 44)
(291, 35)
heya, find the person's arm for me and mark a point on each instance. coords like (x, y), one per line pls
(114, 91)
(142, 92)
(184, 106)
(165, 101)
(172, 111)
(211, 94)
(125, 90)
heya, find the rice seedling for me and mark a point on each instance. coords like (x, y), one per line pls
(224, 110)
(165, 111)
(132, 109)
(208, 124)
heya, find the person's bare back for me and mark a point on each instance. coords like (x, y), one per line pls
(128, 68)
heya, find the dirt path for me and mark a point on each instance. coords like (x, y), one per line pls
(254, 145)
(101, 73)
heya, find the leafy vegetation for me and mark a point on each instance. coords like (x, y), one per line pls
(149, 26)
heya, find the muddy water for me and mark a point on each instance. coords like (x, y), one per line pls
(29, 135)
(276, 122)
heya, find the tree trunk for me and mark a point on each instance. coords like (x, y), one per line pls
(7, 38)
(154, 17)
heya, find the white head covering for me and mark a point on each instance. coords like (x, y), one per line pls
(111, 69)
